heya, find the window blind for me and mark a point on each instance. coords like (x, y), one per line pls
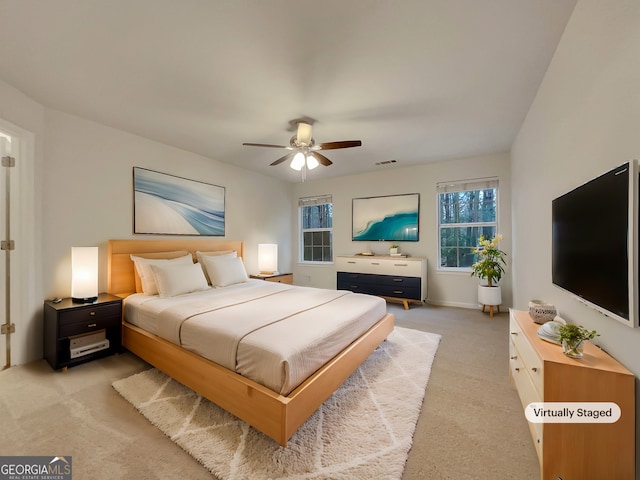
(467, 185)
(317, 200)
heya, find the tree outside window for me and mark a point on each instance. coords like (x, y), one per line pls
(316, 232)
(466, 211)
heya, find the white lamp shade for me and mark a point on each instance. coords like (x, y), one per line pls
(84, 273)
(312, 162)
(268, 258)
(298, 161)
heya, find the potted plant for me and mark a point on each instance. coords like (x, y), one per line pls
(393, 249)
(573, 337)
(490, 267)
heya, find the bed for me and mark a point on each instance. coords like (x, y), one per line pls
(277, 409)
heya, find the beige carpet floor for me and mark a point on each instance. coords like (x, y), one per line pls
(364, 430)
(471, 426)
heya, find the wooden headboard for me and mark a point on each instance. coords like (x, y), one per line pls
(120, 268)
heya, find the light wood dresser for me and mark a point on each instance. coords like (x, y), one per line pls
(542, 373)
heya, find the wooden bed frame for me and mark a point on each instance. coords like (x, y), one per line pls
(277, 416)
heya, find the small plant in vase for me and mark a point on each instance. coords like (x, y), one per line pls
(394, 249)
(573, 337)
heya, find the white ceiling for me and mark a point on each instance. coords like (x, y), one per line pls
(416, 80)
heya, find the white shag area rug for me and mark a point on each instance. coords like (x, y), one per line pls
(363, 431)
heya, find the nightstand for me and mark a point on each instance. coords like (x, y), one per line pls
(276, 277)
(76, 333)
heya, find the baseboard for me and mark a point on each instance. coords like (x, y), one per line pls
(472, 306)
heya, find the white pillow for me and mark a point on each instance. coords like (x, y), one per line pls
(147, 278)
(225, 270)
(177, 278)
(201, 255)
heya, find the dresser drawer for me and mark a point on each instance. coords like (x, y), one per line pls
(384, 266)
(389, 280)
(398, 291)
(530, 361)
(81, 327)
(87, 314)
(351, 278)
(526, 391)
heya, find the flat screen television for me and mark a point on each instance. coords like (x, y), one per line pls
(594, 243)
(392, 218)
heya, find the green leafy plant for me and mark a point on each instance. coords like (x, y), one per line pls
(490, 260)
(573, 333)
(395, 245)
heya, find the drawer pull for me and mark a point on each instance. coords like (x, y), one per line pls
(375, 263)
(534, 369)
(400, 264)
(92, 313)
(399, 292)
(515, 357)
(398, 279)
(514, 333)
(92, 325)
(517, 369)
(351, 261)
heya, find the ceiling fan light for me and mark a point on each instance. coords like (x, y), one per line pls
(298, 161)
(312, 162)
(304, 133)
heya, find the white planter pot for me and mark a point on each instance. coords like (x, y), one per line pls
(489, 295)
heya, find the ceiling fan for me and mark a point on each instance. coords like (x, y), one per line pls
(304, 150)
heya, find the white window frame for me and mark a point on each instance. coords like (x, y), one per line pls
(465, 186)
(308, 202)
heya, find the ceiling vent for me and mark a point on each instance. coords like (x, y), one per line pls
(387, 162)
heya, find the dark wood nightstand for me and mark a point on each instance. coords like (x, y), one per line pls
(75, 333)
(276, 277)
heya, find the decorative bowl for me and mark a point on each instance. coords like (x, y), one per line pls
(541, 312)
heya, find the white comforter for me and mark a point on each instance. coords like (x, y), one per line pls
(275, 334)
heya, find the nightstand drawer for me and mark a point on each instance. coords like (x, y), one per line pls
(89, 314)
(94, 324)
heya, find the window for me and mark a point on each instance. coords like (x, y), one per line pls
(466, 211)
(316, 229)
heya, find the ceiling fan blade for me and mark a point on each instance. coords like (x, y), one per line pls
(266, 145)
(343, 144)
(282, 159)
(321, 159)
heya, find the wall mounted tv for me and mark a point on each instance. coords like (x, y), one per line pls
(595, 244)
(393, 218)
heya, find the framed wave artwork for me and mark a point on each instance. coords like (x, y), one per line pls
(170, 205)
(389, 218)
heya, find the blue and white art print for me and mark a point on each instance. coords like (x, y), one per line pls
(392, 218)
(170, 205)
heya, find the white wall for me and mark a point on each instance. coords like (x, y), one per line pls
(445, 288)
(584, 121)
(88, 195)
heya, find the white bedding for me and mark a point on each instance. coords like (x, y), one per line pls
(275, 334)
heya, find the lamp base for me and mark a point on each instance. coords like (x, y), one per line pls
(84, 300)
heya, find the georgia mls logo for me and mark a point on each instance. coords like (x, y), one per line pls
(35, 468)
(63, 465)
